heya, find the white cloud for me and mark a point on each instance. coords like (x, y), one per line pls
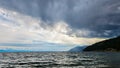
(19, 28)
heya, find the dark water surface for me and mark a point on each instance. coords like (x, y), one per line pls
(60, 60)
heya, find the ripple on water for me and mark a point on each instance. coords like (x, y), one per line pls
(58, 60)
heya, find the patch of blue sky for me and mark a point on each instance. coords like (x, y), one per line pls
(35, 47)
(5, 19)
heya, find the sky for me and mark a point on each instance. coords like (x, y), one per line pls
(57, 25)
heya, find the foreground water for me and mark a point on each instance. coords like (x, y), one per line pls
(60, 60)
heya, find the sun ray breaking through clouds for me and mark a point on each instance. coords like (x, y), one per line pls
(60, 22)
(23, 28)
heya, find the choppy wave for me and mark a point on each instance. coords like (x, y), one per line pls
(59, 60)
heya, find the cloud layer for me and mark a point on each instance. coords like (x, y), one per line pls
(21, 28)
(63, 22)
(100, 17)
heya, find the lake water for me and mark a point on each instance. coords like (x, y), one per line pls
(60, 60)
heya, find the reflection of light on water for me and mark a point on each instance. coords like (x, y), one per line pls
(77, 60)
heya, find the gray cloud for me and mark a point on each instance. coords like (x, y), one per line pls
(100, 17)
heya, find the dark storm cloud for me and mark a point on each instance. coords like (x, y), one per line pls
(101, 17)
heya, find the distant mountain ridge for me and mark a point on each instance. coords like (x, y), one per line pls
(106, 45)
(77, 49)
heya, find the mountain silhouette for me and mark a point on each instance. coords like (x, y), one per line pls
(77, 49)
(112, 44)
